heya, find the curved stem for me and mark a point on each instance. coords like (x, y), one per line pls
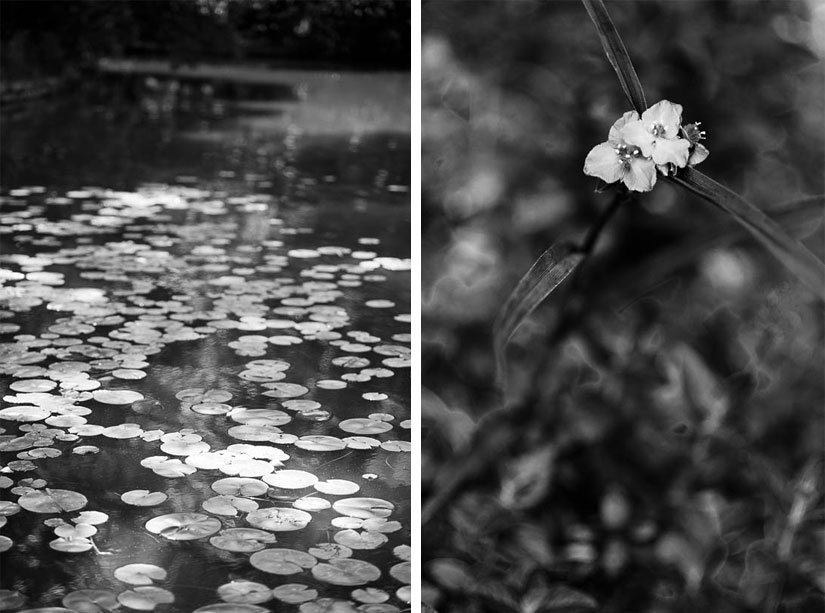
(595, 231)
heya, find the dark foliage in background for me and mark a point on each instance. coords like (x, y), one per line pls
(42, 38)
(659, 445)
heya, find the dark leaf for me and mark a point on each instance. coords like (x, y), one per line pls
(793, 254)
(544, 276)
(616, 53)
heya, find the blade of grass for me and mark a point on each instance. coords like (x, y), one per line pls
(544, 276)
(617, 53)
(797, 258)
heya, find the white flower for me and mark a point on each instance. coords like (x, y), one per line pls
(620, 160)
(657, 134)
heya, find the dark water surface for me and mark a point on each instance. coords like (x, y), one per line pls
(162, 238)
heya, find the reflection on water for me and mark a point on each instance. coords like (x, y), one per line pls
(239, 267)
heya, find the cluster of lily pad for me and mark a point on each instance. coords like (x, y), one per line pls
(150, 286)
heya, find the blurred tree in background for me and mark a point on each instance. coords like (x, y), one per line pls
(44, 38)
(663, 442)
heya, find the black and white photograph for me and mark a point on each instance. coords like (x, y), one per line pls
(622, 324)
(387, 306)
(205, 306)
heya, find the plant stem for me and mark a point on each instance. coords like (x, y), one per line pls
(595, 231)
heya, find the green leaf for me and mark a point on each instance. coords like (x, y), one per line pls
(544, 276)
(616, 53)
(794, 255)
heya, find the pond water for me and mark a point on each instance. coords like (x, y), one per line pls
(204, 346)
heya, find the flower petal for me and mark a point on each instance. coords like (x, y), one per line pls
(671, 150)
(615, 136)
(635, 133)
(641, 175)
(666, 114)
(700, 152)
(604, 162)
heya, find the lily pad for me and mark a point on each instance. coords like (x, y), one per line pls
(347, 571)
(403, 552)
(360, 540)
(116, 396)
(361, 426)
(143, 498)
(277, 519)
(52, 501)
(347, 523)
(291, 479)
(183, 526)
(260, 417)
(77, 531)
(330, 551)
(380, 524)
(184, 448)
(172, 468)
(244, 592)
(330, 384)
(300, 405)
(123, 431)
(364, 508)
(294, 593)
(404, 594)
(140, 574)
(211, 408)
(397, 446)
(242, 539)
(337, 487)
(90, 601)
(33, 385)
(312, 504)
(319, 442)
(282, 561)
(251, 432)
(25, 414)
(94, 518)
(280, 389)
(240, 486)
(370, 595)
(266, 452)
(328, 605)
(401, 572)
(374, 396)
(71, 545)
(198, 395)
(145, 598)
(230, 506)
(361, 442)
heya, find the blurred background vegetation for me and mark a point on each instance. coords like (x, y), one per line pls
(49, 37)
(663, 445)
